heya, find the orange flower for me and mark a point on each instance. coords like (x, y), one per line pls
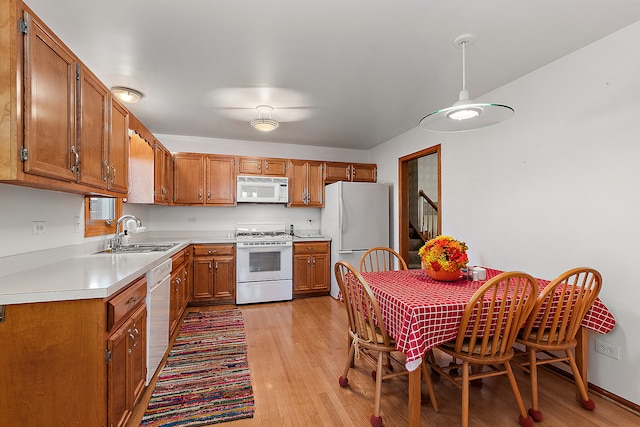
(444, 253)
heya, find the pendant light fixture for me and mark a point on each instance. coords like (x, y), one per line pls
(262, 123)
(466, 114)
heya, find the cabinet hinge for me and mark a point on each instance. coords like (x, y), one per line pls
(107, 356)
(24, 154)
(77, 71)
(24, 28)
(2, 313)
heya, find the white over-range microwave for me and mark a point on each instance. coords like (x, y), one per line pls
(262, 189)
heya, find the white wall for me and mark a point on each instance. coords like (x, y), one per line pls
(554, 188)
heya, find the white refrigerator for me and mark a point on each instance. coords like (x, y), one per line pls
(356, 218)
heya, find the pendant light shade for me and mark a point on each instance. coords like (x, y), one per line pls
(466, 114)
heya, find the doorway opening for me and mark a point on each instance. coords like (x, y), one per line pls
(420, 202)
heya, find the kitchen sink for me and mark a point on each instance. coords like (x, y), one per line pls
(137, 248)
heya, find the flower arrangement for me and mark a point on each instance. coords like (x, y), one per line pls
(444, 253)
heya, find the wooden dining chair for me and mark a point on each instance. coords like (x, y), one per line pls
(381, 259)
(553, 325)
(489, 327)
(368, 335)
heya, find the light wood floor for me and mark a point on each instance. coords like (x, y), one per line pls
(297, 351)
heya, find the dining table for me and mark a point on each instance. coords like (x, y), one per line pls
(421, 313)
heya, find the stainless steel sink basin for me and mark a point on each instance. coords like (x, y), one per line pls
(137, 248)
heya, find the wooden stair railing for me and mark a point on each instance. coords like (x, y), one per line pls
(427, 216)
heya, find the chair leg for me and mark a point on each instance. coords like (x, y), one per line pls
(525, 419)
(343, 380)
(534, 411)
(586, 402)
(465, 394)
(427, 379)
(376, 419)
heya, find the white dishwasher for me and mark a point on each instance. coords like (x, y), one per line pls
(158, 298)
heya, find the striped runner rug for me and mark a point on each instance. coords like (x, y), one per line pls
(206, 377)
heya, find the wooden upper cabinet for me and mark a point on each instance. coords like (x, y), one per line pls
(306, 183)
(49, 104)
(118, 153)
(337, 171)
(364, 172)
(220, 180)
(163, 174)
(93, 116)
(262, 166)
(188, 178)
(103, 136)
(343, 171)
(204, 179)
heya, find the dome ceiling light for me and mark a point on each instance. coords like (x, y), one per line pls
(126, 94)
(466, 114)
(264, 123)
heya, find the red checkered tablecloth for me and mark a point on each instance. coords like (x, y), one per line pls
(421, 313)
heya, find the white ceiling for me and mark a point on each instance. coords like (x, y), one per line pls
(339, 73)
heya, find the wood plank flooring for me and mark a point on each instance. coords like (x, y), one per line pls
(297, 350)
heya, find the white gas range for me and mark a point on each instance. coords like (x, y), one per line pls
(264, 262)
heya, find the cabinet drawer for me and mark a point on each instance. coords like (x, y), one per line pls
(122, 305)
(178, 259)
(310, 247)
(207, 250)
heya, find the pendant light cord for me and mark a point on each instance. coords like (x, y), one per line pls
(464, 66)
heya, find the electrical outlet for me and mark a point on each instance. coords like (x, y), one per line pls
(607, 349)
(38, 227)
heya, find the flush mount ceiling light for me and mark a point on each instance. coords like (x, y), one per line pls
(126, 94)
(466, 114)
(262, 123)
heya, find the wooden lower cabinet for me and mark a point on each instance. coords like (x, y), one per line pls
(55, 367)
(214, 274)
(127, 367)
(311, 268)
(181, 286)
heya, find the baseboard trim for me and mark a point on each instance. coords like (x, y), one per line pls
(624, 403)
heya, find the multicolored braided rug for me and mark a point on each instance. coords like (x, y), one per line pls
(206, 377)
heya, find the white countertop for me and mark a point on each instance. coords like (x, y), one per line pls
(93, 275)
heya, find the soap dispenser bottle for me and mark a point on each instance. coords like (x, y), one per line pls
(125, 238)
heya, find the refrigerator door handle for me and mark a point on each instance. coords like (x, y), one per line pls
(340, 208)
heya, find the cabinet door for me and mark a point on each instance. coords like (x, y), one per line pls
(162, 174)
(224, 282)
(221, 180)
(203, 278)
(337, 171)
(188, 176)
(119, 148)
(301, 265)
(275, 167)
(118, 345)
(320, 271)
(297, 183)
(138, 355)
(364, 172)
(315, 186)
(187, 286)
(250, 166)
(49, 105)
(92, 130)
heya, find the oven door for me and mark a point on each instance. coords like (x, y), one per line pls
(261, 263)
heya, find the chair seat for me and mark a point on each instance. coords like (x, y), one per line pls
(532, 339)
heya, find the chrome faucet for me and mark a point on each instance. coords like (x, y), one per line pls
(116, 242)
